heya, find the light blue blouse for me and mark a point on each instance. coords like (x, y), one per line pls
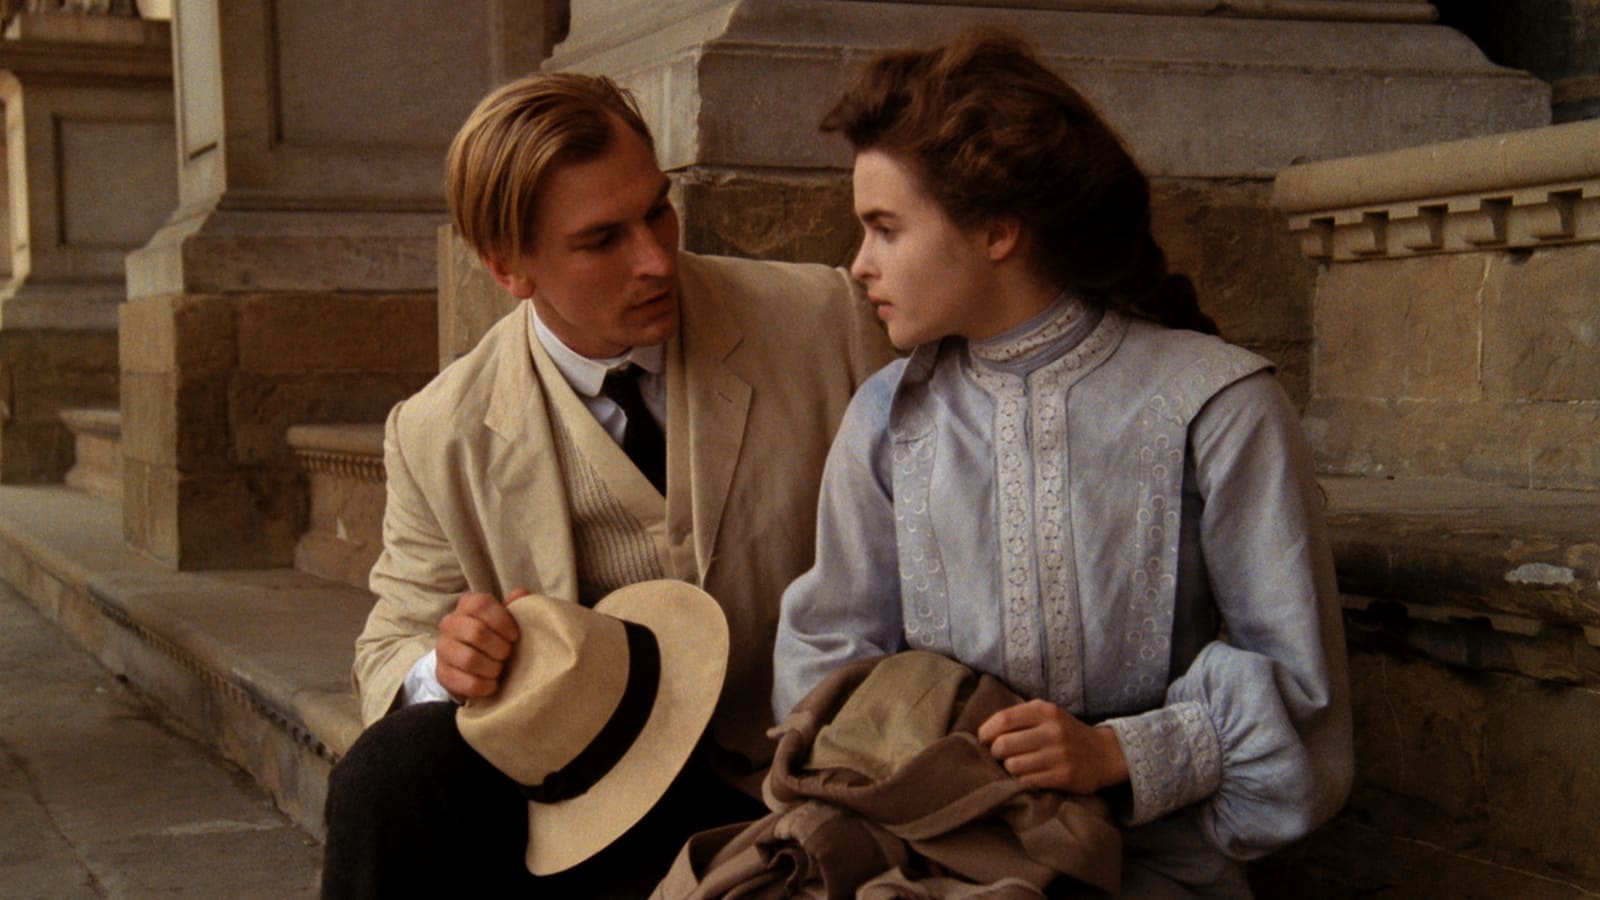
(1119, 518)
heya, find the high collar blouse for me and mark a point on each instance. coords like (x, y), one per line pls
(1115, 517)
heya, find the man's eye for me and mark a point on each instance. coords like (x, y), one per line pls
(602, 242)
(657, 212)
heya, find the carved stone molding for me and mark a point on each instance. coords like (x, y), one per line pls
(1520, 190)
(341, 465)
(343, 451)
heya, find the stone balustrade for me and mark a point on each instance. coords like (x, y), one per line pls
(1457, 330)
(344, 465)
(1523, 190)
(97, 453)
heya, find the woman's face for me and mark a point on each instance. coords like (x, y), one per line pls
(927, 277)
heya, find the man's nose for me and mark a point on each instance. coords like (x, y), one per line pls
(652, 256)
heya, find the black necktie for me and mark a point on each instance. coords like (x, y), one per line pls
(641, 437)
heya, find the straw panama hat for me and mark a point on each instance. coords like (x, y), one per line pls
(578, 704)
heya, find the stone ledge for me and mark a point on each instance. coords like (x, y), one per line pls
(1524, 189)
(1526, 562)
(1183, 90)
(256, 662)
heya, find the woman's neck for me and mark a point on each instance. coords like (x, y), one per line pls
(1019, 294)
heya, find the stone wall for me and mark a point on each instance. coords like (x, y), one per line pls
(733, 91)
(247, 367)
(43, 371)
(1454, 409)
(1455, 337)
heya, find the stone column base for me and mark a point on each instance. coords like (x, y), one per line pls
(211, 384)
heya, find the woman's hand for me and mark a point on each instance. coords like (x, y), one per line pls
(1048, 747)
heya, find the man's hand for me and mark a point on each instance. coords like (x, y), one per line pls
(1048, 747)
(474, 643)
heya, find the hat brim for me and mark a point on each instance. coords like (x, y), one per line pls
(693, 637)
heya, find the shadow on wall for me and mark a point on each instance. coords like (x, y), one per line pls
(1555, 40)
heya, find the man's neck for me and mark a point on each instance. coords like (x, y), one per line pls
(585, 373)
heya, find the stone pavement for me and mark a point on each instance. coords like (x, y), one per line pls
(103, 797)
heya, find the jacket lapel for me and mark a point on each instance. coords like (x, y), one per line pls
(523, 482)
(708, 403)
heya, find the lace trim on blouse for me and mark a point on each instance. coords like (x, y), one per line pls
(1043, 635)
(1174, 759)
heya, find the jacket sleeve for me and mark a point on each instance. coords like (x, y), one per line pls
(417, 579)
(1258, 728)
(847, 605)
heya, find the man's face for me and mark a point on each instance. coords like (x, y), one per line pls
(603, 272)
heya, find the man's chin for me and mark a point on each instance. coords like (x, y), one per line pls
(658, 328)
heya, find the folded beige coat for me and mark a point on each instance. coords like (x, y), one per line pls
(879, 784)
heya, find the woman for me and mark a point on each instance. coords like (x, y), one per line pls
(1068, 485)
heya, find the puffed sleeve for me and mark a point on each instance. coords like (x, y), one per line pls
(1258, 728)
(847, 605)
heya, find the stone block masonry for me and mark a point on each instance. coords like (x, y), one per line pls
(211, 385)
(1457, 332)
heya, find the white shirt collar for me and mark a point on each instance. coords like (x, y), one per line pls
(584, 374)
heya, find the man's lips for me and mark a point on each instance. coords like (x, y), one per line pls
(660, 298)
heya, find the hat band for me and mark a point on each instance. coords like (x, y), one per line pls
(619, 732)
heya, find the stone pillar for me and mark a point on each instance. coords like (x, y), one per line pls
(295, 283)
(88, 109)
(1212, 99)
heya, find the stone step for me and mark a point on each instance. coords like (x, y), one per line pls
(1471, 616)
(1523, 562)
(255, 662)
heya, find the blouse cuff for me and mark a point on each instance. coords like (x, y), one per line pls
(1174, 758)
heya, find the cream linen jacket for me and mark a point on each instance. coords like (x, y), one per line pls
(765, 362)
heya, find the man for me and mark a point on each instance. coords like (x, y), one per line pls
(508, 474)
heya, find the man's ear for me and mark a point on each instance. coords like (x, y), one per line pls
(1004, 237)
(518, 285)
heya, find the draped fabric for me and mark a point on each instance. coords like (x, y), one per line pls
(880, 788)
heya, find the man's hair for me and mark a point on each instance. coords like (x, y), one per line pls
(990, 131)
(517, 135)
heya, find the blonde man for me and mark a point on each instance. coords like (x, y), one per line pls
(513, 472)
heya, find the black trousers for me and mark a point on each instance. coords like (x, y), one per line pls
(412, 810)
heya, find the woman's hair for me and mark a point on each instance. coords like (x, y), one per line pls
(516, 136)
(991, 132)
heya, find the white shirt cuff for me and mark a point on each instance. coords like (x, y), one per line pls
(422, 682)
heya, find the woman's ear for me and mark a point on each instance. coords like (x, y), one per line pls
(1004, 238)
(518, 285)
